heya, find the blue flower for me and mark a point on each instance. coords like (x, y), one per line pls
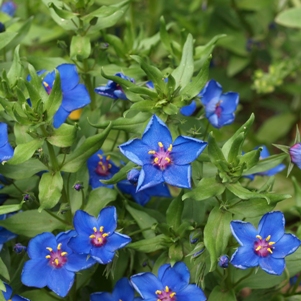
(271, 172)
(219, 108)
(161, 160)
(100, 168)
(6, 151)
(7, 295)
(223, 261)
(97, 236)
(172, 284)
(295, 154)
(266, 246)
(122, 291)
(141, 197)
(9, 7)
(52, 263)
(5, 235)
(112, 89)
(19, 248)
(75, 95)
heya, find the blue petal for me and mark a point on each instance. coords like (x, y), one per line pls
(84, 222)
(6, 152)
(186, 149)
(80, 244)
(225, 119)
(295, 154)
(8, 291)
(146, 284)
(19, 298)
(59, 117)
(60, 281)
(244, 232)
(181, 268)
(189, 109)
(174, 280)
(273, 170)
(102, 297)
(149, 176)
(76, 98)
(245, 257)
(271, 265)
(106, 91)
(116, 241)
(102, 254)
(36, 273)
(6, 235)
(108, 219)
(123, 290)
(163, 268)
(64, 238)
(213, 119)
(229, 102)
(3, 134)
(78, 262)
(285, 246)
(156, 131)
(69, 76)
(140, 197)
(178, 175)
(120, 94)
(212, 91)
(272, 223)
(191, 293)
(49, 79)
(264, 152)
(37, 245)
(150, 84)
(137, 151)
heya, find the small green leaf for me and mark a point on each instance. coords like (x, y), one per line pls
(290, 17)
(151, 244)
(4, 271)
(62, 13)
(236, 149)
(15, 70)
(6, 38)
(4, 209)
(80, 46)
(222, 294)
(175, 253)
(170, 109)
(64, 136)
(174, 212)
(214, 151)
(165, 38)
(250, 159)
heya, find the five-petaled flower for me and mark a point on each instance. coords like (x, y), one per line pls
(75, 95)
(266, 246)
(7, 294)
(295, 154)
(112, 89)
(172, 284)
(219, 108)
(52, 263)
(6, 151)
(162, 160)
(97, 236)
(122, 291)
(100, 168)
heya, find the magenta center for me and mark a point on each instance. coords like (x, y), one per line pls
(98, 238)
(58, 258)
(103, 167)
(263, 247)
(161, 158)
(218, 109)
(166, 295)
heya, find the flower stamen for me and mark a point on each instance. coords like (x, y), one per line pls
(263, 247)
(98, 238)
(161, 158)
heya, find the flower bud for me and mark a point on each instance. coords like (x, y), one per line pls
(133, 176)
(19, 248)
(223, 261)
(295, 154)
(78, 186)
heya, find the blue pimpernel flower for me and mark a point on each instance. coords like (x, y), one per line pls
(5, 235)
(100, 168)
(74, 94)
(219, 108)
(9, 7)
(266, 246)
(8, 293)
(96, 236)
(295, 154)
(122, 291)
(162, 160)
(141, 197)
(172, 284)
(271, 172)
(6, 151)
(112, 89)
(52, 263)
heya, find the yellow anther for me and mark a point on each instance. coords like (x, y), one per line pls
(45, 84)
(92, 236)
(99, 239)
(59, 246)
(158, 292)
(166, 289)
(270, 250)
(103, 167)
(64, 253)
(170, 147)
(49, 249)
(156, 160)
(101, 229)
(48, 256)
(56, 261)
(167, 159)
(151, 152)
(258, 248)
(160, 144)
(268, 238)
(109, 165)
(108, 158)
(100, 163)
(258, 236)
(271, 243)
(100, 157)
(172, 294)
(105, 235)
(94, 229)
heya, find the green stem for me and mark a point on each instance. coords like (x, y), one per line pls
(243, 278)
(115, 141)
(59, 219)
(139, 231)
(52, 156)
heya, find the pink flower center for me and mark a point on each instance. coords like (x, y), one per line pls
(57, 258)
(98, 238)
(166, 295)
(218, 109)
(47, 88)
(162, 157)
(103, 167)
(263, 247)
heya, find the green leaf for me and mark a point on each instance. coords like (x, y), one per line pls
(237, 64)
(174, 212)
(98, 199)
(6, 38)
(290, 17)
(39, 294)
(183, 73)
(175, 253)
(3, 270)
(120, 175)
(216, 234)
(143, 220)
(214, 151)
(64, 136)
(32, 222)
(15, 70)
(50, 190)
(80, 46)
(79, 157)
(170, 109)
(151, 244)
(24, 151)
(165, 38)
(117, 44)
(4, 209)
(62, 13)
(236, 149)
(222, 294)
(1, 294)
(250, 159)
(207, 187)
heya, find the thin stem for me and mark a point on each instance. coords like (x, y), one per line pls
(139, 231)
(52, 155)
(243, 278)
(59, 219)
(115, 141)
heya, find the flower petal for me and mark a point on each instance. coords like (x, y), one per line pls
(19, 298)
(225, 119)
(3, 134)
(189, 109)
(186, 149)
(149, 176)
(106, 91)
(191, 293)
(60, 281)
(272, 223)
(123, 290)
(117, 241)
(229, 102)
(174, 280)
(178, 175)
(37, 245)
(286, 245)
(108, 219)
(162, 269)
(80, 244)
(78, 262)
(102, 297)
(212, 90)
(8, 291)
(244, 232)
(137, 151)
(59, 117)
(68, 75)
(102, 254)
(271, 265)
(84, 222)
(245, 257)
